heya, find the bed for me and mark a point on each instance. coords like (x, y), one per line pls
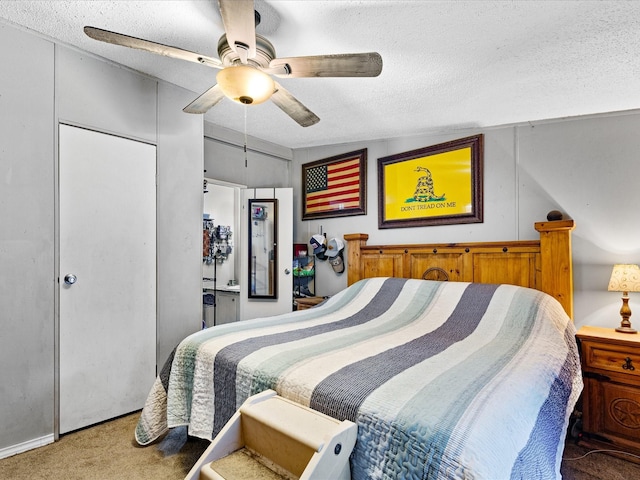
(471, 378)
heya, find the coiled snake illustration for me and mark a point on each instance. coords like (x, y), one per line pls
(424, 188)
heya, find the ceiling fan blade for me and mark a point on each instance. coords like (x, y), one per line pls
(205, 101)
(292, 107)
(153, 47)
(239, 20)
(339, 65)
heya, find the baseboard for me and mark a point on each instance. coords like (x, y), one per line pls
(25, 446)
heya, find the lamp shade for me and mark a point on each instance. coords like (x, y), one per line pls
(245, 84)
(625, 278)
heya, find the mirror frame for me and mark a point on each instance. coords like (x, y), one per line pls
(274, 293)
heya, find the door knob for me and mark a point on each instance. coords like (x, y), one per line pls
(287, 271)
(70, 279)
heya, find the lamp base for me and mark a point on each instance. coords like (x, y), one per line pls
(625, 314)
(626, 330)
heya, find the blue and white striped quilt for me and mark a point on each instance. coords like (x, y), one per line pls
(446, 380)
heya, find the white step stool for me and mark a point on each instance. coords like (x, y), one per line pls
(272, 437)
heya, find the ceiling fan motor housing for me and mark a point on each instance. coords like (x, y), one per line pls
(265, 52)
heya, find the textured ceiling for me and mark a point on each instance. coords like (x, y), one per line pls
(447, 64)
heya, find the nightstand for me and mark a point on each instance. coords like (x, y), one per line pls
(611, 396)
(308, 302)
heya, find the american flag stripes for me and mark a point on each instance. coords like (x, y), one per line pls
(334, 188)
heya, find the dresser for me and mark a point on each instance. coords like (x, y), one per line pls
(611, 396)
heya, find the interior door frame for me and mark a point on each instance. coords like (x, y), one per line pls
(56, 266)
(236, 228)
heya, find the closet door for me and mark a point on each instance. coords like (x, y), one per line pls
(107, 302)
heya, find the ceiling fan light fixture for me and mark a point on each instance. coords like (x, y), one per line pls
(246, 85)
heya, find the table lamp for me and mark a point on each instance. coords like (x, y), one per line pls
(625, 279)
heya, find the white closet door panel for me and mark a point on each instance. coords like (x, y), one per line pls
(107, 338)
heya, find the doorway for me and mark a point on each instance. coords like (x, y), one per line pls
(220, 262)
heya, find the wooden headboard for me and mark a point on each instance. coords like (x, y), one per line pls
(543, 264)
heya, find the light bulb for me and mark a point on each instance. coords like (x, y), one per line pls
(245, 84)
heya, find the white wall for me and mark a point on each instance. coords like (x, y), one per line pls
(26, 239)
(179, 218)
(589, 168)
(585, 167)
(267, 165)
(43, 84)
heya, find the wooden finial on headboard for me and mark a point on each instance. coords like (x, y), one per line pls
(557, 268)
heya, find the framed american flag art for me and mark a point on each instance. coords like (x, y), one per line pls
(335, 187)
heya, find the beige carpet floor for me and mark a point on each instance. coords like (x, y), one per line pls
(109, 452)
(579, 464)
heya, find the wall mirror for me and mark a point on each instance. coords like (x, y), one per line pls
(263, 240)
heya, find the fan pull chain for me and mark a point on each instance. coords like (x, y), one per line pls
(245, 136)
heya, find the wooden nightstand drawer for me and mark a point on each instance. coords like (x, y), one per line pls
(612, 358)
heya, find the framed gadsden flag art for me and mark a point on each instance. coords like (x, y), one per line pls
(335, 187)
(436, 185)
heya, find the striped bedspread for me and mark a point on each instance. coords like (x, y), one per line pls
(445, 380)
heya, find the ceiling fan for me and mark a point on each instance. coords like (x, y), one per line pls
(247, 61)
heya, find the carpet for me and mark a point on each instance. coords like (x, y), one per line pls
(108, 452)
